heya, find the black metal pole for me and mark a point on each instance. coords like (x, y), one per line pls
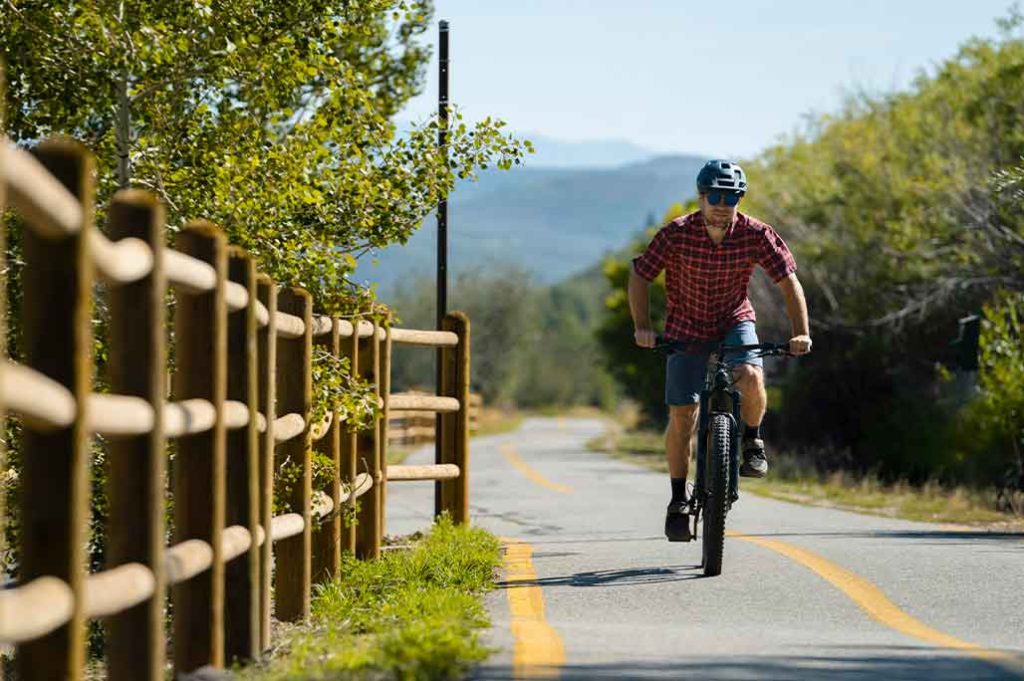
(442, 207)
(442, 237)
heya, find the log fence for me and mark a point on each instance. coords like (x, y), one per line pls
(407, 427)
(239, 407)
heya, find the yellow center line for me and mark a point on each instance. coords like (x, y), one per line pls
(875, 603)
(509, 452)
(539, 653)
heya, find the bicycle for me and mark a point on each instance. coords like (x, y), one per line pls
(716, 486)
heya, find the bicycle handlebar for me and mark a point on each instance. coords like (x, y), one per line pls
(720, 348)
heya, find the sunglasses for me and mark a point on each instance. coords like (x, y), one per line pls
(715, 198)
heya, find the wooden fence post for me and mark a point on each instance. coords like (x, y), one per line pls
(368, 457)
(383, 424)
(137, 366)
(327, 537)
(350, 447)
(454, 435)
(200, 326)
(241, 604)
(295, 395)
(267, 383)
(57, 328)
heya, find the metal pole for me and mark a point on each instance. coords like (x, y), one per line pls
(442, 207)
(442, 235)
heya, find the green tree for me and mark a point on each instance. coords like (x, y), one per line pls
(500, 299)
(898, 231)
(272, 119)
(640, 373)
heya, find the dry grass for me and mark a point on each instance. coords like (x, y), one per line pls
(496, 420)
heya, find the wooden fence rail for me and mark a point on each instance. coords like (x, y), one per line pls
(239, 409)
(406, 426)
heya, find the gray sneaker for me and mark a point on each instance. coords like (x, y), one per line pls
(754, 465)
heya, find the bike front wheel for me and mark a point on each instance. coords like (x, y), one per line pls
(716, 476)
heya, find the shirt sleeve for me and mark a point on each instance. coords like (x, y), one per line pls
(651, 262)
(776, 258)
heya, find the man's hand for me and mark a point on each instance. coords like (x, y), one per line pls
(800, 345)
(645, 338)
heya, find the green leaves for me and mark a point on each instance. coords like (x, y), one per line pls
(273, 120)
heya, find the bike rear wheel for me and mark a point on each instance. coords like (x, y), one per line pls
(716, 476)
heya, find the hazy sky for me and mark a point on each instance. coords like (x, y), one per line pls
(713, 78)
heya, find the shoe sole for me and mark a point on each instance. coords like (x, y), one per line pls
(748, 473)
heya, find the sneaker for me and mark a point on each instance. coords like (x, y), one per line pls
(677, 521)
(755, 465)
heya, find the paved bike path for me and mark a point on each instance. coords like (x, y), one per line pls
(618, 601)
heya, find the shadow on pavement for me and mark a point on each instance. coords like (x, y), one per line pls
(962, 536)
(865, 667)
(630, 577)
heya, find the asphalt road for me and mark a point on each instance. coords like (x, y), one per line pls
(591, 589)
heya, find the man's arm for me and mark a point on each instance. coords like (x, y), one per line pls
(796, 309)
(640, 308)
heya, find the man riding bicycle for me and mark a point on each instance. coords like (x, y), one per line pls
(709, 257)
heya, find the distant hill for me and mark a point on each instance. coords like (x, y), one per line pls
(554, 153)
(555, 221)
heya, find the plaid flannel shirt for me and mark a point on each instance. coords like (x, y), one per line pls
(706, 283)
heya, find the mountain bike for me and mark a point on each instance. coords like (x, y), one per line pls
(717, 485)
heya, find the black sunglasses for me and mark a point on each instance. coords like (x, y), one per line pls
(715, 198)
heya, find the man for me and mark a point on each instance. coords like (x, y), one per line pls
(709, 257)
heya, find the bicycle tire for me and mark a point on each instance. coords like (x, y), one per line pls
(716, 475)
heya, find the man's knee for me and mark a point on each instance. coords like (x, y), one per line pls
(682, 418)
(748, 374)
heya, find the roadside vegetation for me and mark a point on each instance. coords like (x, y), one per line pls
(413, 615)
(799, 481)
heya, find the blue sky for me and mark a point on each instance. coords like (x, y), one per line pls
(711, 78)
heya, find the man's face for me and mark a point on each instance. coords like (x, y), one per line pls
(719, 215)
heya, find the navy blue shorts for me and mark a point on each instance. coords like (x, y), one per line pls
(685, 371)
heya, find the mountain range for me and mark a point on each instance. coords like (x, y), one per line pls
(553, 221)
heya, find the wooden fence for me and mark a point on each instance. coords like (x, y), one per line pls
(418, 427)
(241, 392)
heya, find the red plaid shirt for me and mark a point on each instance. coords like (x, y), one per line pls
(707, 283)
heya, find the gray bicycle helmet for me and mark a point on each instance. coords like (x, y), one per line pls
(722, 176)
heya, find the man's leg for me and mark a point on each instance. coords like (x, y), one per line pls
(684, 376)
(754, 399)
(682, 422)
(753, 402)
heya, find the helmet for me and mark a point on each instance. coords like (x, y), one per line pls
(723, 176)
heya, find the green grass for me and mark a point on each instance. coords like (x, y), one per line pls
(414, 614)
(789, 480)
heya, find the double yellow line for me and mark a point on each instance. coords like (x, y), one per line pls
(539, 652)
